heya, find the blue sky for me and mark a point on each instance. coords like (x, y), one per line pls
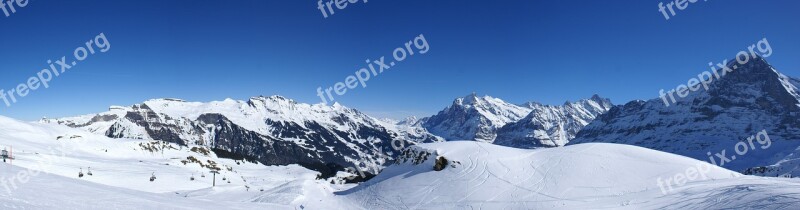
(545, 51)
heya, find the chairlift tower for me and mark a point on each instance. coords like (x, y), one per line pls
(7, 154)
(214, 182)
(4, 154)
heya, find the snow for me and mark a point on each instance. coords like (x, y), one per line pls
(121, 167)
(592, 175)
(49, 191)
(586, 176)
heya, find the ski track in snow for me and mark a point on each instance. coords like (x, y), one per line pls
(491, 177)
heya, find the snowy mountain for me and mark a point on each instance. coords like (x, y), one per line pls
(489, 119)
(474, 118)
(270, 130)
(749, 117)
(552, 126)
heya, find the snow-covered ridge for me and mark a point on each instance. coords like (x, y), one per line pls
(474, 118)
(271, 130)
(252, 113)
(530, 124)
(552, 126)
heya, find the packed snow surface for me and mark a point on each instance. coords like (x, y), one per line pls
(586, 176)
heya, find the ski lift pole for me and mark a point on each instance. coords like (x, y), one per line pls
(214, 182)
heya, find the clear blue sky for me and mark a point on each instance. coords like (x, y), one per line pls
(545, 51)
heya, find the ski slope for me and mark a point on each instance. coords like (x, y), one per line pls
(586, 176)
(124, 166)
(48, 191)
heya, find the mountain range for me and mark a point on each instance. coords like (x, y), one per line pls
(279, 131)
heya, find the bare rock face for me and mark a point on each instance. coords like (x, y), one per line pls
(441, 163)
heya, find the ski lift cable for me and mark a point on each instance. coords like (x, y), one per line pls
(108, 169)
(62, 164)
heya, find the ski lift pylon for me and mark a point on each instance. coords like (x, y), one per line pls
(5, 154)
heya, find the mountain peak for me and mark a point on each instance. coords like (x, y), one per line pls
(596, 97)
(471, 99)
(165, 100)
(411, 120)
(605, 102)
(749, 98)
(272, 98)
